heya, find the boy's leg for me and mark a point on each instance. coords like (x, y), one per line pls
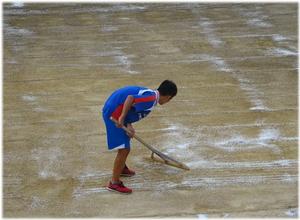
(119, 164)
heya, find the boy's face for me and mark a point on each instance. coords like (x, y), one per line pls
(164, 99)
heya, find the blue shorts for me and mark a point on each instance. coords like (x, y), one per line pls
(116, 137)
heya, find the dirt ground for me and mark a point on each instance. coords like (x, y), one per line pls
(234, 120)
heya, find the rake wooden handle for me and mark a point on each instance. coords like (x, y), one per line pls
(135, 136)
(154, 151)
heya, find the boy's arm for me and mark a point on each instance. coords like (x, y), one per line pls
(127, 105)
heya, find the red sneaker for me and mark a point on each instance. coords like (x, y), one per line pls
(119, 188)
(127, 172)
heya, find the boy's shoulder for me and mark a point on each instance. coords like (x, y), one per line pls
(134, 89)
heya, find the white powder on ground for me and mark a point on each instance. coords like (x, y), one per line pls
(29, 98)
(202, 216)
(49, 162)
(238, 142)
(292, 212)
(281, 52)
(218, 62)
(201, 163)
(258, 22)
(279, 38)
(208, 28)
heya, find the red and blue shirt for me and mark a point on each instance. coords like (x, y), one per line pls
(144, 101)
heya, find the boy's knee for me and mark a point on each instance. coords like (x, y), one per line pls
(124, 151)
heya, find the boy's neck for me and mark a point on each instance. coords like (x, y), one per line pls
(157, 96)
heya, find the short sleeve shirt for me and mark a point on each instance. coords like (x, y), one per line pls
(144, 101)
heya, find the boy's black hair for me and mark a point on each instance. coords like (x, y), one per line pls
(167, 87)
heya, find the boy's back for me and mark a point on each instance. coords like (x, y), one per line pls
(144, 100)
(119, 96)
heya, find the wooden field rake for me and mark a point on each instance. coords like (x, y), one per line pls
(163, 157)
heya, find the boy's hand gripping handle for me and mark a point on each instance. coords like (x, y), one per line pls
(123, 126)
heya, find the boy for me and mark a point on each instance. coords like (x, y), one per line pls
(128, 105)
